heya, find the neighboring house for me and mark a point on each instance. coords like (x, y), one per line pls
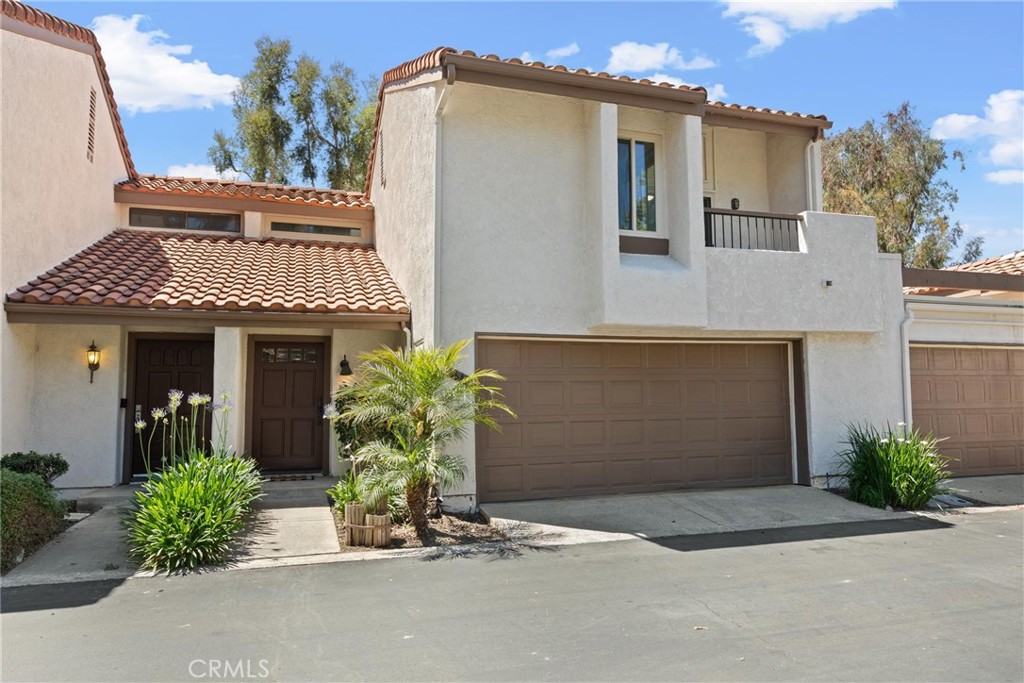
(652, 273)
(964, 331)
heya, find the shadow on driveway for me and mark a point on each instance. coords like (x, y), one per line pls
(55, 595)
(795, 534)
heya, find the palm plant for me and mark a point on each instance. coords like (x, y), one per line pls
(427, 405)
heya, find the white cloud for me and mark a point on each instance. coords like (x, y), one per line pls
(149, 74)
(770, 22)
(716, 92)
(1009, 176)
(527, 57)
(206, 171)
(564, 51)
(1002, 126)
(636, 57)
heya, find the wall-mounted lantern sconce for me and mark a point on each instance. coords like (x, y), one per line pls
(735, 204)
(92, 355)
(345, 369)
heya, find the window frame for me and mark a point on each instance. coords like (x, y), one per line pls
(186, 212)
(634, 136)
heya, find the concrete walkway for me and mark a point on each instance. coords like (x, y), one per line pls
(1004, 489)
(292, 524)
(676, 513)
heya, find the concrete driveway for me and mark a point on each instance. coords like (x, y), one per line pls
(929, 603)
(674, 513)
(1001, 489)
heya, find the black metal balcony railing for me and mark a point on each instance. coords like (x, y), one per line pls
(751, 230)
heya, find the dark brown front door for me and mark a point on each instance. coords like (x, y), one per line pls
(162, 365)
(287, 405)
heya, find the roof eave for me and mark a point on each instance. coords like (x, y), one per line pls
(71, 314)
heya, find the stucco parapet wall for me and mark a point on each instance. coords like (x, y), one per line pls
(769, 290)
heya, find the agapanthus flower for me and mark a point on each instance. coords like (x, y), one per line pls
(197, 399)
(330, 411)
(174, 397)
(140, 425)
(158, 413)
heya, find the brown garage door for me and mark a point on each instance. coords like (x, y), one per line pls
(602, 417)
(974, 399)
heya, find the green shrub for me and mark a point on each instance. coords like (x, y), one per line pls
(49, 466)
(188, 515)
(30, 514)
(345, 491)
(899, 469)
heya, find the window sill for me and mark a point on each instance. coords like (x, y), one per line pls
(648, 246)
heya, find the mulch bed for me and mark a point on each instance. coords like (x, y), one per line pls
(449, 529)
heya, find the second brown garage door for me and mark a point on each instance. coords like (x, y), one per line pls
(609, 417)
(973, 399)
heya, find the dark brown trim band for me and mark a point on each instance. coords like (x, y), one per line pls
(107, 315)
(648, 246)
(962, 279)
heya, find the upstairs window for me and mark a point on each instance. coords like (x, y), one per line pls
(637, 187)
(314, 229)
(184, 220)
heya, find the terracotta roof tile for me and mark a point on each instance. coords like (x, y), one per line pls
(435, 59)
(157, 269)
(246, 190)
(34, 17)
(1007, 264)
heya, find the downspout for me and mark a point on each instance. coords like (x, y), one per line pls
(905, 355)
(442, 101)
(408, 337)
(809, 173)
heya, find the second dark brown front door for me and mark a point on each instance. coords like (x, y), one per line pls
(287, 405)
(162, 365)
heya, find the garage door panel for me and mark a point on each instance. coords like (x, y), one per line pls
(971, 398)
(618, 417)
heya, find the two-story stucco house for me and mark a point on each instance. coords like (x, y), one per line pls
(652, 273)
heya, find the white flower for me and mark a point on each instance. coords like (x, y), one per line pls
(174, 397)
(901, 424)
(197, 399)
(330, 412)
(140, 425)
(158, 413)
(885, 440)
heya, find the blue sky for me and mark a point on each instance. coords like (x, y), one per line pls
(960, 64)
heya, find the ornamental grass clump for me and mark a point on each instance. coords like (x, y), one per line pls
(892, 468)
(189, 514)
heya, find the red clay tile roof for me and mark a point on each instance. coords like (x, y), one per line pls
(246, 190)
(1007, 264)
(34, 17)
(182, 271)
(436, 59)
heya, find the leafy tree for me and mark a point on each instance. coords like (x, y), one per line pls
(890, 170)
(427, 404)
(293, 118)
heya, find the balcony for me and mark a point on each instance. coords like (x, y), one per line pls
(751, 230)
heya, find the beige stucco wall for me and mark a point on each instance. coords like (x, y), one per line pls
(741, 169)
(403, 192)
(83, 422)
(764, 290)
(529, 244)
(53, 200)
